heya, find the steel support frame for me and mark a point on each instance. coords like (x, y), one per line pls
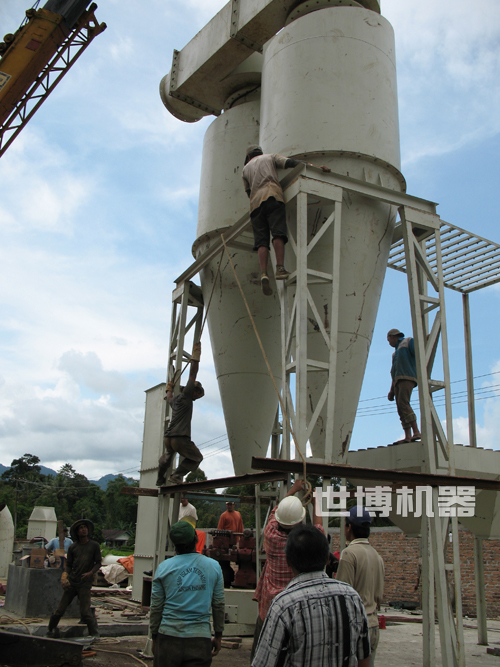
(295, 310)
(482, 628)
(187, 296)
(417, 227)
(419, 222)
(85, 30)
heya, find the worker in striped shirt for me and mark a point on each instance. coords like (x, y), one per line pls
(316, 621)
(276, 573)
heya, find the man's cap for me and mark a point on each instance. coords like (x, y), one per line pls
(199, 386)
(356, 520)
(395, 332)
(190, 519)
(254, 148)
(74, 528)
(182, 532)
(229, 502)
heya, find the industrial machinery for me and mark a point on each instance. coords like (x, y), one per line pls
(240, 548)
(316, 81)
(36, 57)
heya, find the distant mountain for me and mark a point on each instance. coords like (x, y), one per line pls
(101, 483)
(43, 469)
(47, 471)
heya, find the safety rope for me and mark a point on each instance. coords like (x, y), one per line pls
(308, 494)
(134, 657)
(5, 619)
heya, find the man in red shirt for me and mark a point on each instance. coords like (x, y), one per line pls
(276, 573)
(231, 519)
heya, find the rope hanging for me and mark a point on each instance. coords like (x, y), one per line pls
(308, 495)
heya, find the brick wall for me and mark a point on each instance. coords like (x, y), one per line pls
(401, 554)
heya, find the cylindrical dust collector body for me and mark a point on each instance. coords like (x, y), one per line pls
(248, 397)
(329, 94)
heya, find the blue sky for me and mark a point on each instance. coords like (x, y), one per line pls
(98, 206)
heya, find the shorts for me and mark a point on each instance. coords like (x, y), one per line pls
(269, 218)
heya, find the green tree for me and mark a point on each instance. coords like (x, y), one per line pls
(120, 511)
(25, 467)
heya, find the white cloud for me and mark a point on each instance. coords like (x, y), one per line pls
(448, 67)
(98, 198)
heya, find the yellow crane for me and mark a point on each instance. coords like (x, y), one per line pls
(36, 57)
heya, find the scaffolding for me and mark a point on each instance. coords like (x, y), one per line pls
(434, 255)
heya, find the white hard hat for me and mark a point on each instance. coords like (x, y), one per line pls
(290, 511)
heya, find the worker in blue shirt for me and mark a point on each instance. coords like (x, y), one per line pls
(186, 588)
(404, 380)
(54, 543)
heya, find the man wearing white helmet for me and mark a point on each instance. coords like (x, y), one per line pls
(276, 573)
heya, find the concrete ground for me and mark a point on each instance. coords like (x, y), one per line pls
(400, 646)
(400, 643)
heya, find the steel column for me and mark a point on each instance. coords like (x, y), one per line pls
(418, 228)
(469, 372)
(482, 628)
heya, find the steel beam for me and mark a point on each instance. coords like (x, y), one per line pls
(375, 474)
(219, 483)
(201, 71)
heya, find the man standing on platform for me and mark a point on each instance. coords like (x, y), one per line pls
(362, 568)
(83, 561)
(230, 519)
(177, 438)
(404, 381)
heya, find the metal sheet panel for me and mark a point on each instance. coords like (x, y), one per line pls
(248, 398)
(148, 508)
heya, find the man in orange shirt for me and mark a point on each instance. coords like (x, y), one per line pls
(231, 519)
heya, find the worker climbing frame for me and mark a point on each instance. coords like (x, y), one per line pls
(186, 298)
(420, 230)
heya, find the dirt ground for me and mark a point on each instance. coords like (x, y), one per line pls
(132, 645)
(400, 646)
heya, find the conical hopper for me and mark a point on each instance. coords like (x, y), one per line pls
(248, 397)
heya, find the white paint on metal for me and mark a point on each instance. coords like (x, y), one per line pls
(470, 262)
(42, 522)
(148, 507)
(248, 397)
(332, 75)
(201, 71)
(6, 541)
(329, 95)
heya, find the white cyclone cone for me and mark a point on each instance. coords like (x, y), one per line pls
(329, 95)
(248, 398)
